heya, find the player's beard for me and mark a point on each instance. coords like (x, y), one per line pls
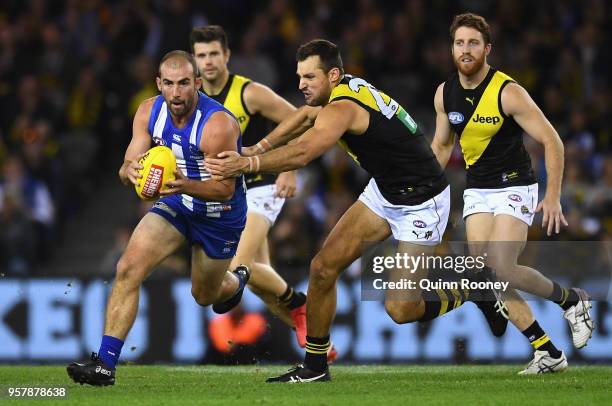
(317, 99)
(472, 68)
(180, 110)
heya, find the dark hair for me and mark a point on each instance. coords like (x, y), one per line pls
(473, 21)
(180, 54)
(208, 34)
(327, 52)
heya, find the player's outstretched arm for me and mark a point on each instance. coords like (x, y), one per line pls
(444, 138)
(220, 133)
(140, 143)
(294, 125)
(332, 121)
(517, 103)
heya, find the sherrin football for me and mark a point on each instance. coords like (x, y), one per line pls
(159, 164)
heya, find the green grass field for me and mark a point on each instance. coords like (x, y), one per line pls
(355, 385)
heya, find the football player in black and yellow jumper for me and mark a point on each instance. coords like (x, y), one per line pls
(489, 112)
(408, 196)
(252, 104)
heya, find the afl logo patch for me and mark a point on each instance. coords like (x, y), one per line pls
(419, 224)
(515, 198)
(455, 117)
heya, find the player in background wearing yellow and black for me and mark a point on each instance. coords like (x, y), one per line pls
(408, 196)
(489, 112)
(252, 104)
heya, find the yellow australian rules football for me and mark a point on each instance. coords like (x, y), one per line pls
(159, 164)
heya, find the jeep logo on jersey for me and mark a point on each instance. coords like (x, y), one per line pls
(419, 224)
(455, 117)
(486, 119)
(515, 198)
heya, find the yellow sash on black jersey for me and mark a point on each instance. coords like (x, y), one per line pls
(485, 122)
(368, 96)
(392, 149)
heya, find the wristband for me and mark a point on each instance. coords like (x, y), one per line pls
(269, 145)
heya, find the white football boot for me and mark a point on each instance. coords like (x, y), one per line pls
(543, 363)
(579, 319)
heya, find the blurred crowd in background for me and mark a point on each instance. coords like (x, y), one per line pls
(73, 72)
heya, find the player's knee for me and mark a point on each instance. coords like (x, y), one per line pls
(402, 312)
(321, 274)
(129, 271)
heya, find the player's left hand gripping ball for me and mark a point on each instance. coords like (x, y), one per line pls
(159, 165)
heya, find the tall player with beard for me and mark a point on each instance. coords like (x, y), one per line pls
(489, 112)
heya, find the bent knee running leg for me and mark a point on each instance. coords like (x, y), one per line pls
(403, 312)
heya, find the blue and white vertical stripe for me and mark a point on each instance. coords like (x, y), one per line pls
(185, 142)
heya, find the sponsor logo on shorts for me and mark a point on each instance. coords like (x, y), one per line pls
(525, 210)
(229, 246)
(515, 198)
(419, 224)
(216, 208)
(268, 207)
(455, 117)
(422, 235)
(506, 176)
(163, 206)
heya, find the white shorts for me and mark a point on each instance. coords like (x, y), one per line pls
(261, 200)
(516, 201)
(422, 224)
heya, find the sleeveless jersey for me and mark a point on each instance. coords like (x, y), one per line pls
(392, 149)
(491, 141)
(253, 126)
(185, 144)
